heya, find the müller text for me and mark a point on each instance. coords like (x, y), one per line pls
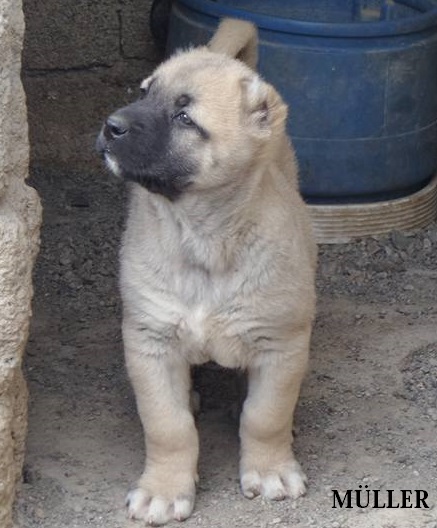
(367, 498)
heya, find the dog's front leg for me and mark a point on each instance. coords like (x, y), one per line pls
(161, 382)
(267, 465)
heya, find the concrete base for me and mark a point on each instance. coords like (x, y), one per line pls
(337, 224)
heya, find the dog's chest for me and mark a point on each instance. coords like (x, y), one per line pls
(192, 330)
(203, 336)
(211, 323)
(198, 296)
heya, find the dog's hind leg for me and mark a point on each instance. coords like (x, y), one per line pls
(267, 465)
(161, 382)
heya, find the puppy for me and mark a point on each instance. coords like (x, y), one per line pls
(217, 263)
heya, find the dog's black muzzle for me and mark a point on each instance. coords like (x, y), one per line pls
(116, 126)
(139, 139)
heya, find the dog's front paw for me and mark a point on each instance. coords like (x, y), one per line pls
(158, 507)
(277, 483)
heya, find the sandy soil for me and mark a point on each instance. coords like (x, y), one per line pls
(367, 413)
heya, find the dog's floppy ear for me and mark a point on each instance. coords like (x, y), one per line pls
(237, 39)
(263, 106)
(146, 84)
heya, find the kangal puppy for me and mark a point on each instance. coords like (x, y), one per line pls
(217, 263)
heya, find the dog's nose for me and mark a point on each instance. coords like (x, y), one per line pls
(115, 127)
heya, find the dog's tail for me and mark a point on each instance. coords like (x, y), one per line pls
(238, 39)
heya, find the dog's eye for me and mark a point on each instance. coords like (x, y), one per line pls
(143, 93)
(184, 118)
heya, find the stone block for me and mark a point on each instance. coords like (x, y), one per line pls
(65, 114)
(13, 129)
(136, 38)
(71, 34)
(20, 216)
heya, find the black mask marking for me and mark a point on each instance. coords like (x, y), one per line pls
(146, 151)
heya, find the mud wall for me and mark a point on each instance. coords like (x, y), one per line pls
(81, 60)
(20, 216)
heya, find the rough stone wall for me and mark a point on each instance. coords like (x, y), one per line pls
(19, 233)
(81, 60)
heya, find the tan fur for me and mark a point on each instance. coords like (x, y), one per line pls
(238, 39)
(223, 273)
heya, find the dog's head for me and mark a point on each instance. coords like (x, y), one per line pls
(203, 119)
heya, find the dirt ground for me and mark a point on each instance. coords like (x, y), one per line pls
(367, 413)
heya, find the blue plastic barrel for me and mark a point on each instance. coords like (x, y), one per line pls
(360, 77)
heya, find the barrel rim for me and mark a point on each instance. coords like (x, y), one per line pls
(415, 24)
